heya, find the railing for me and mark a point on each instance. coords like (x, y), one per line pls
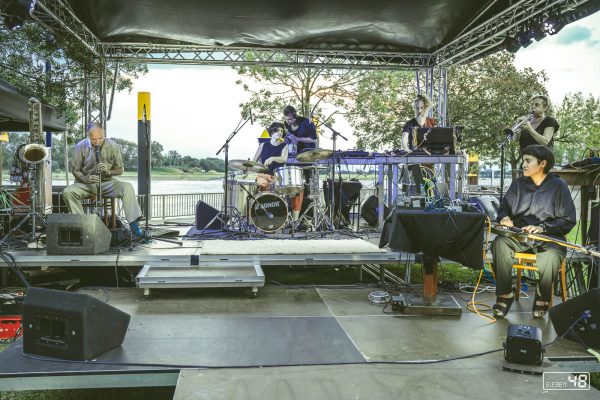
(164, 206)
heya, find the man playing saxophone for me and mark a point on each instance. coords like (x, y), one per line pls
(537, 127)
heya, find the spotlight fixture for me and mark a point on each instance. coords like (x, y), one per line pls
(552, 24)
(524, 38)
(537, 31)
(511, 44)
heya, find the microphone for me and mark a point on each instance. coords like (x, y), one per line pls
(251, 118)
(97, 151)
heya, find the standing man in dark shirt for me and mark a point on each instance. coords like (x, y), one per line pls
(538, 202)
(300, 130)
(538, 128)
(303, 133)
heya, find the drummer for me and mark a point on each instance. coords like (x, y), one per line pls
(273, 154)
(303, 133)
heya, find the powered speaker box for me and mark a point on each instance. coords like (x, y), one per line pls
(487, 204)
(579, 318)
(71, 326)
(76, 234)
(369, 210)
(524, 345)
(207, 217)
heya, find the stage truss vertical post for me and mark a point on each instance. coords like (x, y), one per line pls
(436, 88)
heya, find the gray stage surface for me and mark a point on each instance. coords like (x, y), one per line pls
(330, 333)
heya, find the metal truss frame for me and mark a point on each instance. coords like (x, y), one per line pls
(469, 45)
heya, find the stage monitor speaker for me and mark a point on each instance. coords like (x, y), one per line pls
(369, 210)
(207, 217)
(76, 234)
(487, 204)
(71, 326)
(566, 314)
(344, 199)
(524, 345)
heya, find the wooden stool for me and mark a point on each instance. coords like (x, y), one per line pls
(526, 261)
(107, 203)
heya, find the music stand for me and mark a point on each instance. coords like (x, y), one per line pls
(438, 140)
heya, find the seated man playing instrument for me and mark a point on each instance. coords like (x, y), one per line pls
(538, 202)
(273, 154)
(89, 172)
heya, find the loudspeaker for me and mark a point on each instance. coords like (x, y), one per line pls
(489, 205)
(523, 345)
(349, 193)
(76, 234)
(586, 309)
(68, 325)
(369, 210)
(206, 214)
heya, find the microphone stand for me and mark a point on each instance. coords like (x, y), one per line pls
(508, 135)
(335, 134)
(226, 148)
(99, 184)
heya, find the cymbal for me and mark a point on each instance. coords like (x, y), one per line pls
(314, 155)
(247, 165)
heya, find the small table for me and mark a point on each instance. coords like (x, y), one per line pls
(456, 236)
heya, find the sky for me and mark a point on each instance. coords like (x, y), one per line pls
(196, 108)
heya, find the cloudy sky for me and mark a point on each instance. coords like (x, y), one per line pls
(195, 108)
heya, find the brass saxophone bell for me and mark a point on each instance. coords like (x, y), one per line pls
(33, 153)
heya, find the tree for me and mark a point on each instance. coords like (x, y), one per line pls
(55, 69)
(382, 104)
(129, 151)
(173, 158)
(487, 96)
(308, 89)
(484, 97)
(156, 154)
(579, 119)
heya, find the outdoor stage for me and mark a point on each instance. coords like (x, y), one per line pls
(317, 342)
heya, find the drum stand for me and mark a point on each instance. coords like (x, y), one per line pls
(32, 215)
(320, 221)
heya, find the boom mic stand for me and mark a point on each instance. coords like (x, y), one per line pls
(335, 134)
(225, 147)
(507, 137)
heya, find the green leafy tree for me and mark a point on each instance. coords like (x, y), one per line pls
(382, 104)
(173, 158)
(308, 89)
(579, 119)
(129, 151)
(55, 69)
(487, 96)
(156, 155)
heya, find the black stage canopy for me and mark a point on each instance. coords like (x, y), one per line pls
(14, 111)
(401, 25)
(376, 33)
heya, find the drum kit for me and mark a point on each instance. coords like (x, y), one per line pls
(268, 211)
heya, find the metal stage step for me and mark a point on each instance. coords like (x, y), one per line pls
(206, 276)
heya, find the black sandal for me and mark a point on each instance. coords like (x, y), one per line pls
(539, 310)
(500, 310)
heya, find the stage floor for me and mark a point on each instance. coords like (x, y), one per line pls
(214, 343)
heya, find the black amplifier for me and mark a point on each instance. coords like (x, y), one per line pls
(524, 345)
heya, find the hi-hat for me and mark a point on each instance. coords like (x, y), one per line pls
(247, 165)
(314, 155)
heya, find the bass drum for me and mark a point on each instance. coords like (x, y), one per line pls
(268, 212)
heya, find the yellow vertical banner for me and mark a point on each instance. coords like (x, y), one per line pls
(144, 105)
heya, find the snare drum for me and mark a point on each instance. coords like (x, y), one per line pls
(289, 180)
(236, 196)
(268, 212)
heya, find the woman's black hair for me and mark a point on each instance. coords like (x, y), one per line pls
(541, 153)
(275, 126)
